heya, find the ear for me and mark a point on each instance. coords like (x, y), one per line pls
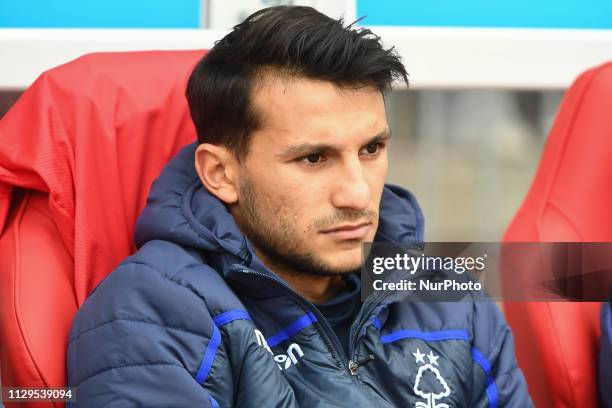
(216, 166)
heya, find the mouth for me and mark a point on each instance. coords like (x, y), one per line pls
(349, 231)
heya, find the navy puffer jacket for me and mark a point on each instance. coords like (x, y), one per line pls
(194, 319)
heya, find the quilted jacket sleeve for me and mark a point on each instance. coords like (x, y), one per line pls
(143, 340)
(493, 353)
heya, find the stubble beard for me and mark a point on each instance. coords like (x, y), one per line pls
(278, 242)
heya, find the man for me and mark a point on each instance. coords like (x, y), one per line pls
(244, 290)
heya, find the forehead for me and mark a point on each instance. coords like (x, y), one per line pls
(297, 110)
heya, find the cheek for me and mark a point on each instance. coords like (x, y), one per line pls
(299, 200)
(283, 210)
(377, 185)
(376, 180)
(383, 167)
(293, 204)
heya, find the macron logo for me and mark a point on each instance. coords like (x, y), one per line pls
(283, 361)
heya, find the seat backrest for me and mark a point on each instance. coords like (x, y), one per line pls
(78, 153)
(569, 201)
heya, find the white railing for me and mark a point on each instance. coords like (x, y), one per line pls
(443, 58)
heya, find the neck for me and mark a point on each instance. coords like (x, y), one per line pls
(317, 289)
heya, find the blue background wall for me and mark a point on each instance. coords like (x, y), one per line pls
(186, 13)
(100, 13)
(488, 13)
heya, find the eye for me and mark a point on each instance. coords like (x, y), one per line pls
(312, 159)
(372, 149)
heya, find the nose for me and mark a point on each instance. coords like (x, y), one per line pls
(352, 190)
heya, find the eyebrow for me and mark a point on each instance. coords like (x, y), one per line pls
(308, 148)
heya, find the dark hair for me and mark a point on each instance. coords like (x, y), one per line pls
(289, 41)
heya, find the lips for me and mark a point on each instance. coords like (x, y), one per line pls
(355, 231)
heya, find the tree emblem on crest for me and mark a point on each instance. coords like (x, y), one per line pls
(429, 383)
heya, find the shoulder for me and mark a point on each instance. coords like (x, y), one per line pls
(162, 283)
(479, 321)
(156, 308)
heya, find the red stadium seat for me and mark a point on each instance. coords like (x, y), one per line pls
(78, 153)
(569, 201)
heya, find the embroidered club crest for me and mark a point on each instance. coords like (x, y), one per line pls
(429, 383)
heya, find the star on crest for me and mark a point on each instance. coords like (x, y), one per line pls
(433, 359)
(420, 357)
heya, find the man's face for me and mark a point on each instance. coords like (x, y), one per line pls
(311, 183)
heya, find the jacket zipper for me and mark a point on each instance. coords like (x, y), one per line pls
(351, 366)
(354, 366)
(333, 343)
(356, 329)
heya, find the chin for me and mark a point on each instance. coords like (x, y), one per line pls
(345, 262)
